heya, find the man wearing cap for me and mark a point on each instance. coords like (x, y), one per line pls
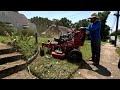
(94, 29)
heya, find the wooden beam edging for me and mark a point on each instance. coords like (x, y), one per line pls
(29, 60)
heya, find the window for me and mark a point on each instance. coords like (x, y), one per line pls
(25, 26)
(3, 13)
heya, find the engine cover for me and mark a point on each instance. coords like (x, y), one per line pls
(57, 55)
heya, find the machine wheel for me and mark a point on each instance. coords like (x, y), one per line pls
(75, 56)
(49, 51)
(119, 64)
(42, 51)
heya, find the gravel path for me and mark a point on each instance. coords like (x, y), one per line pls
(108, 68)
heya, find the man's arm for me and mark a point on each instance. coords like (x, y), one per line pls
(95, 27)
(85, 28)
(92, 27)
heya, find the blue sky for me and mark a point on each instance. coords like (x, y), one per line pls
(74, 16)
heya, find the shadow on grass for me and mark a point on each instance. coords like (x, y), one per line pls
(85, 65)
(100, 69)
(82, 64)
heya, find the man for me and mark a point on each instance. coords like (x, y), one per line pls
(94, 29)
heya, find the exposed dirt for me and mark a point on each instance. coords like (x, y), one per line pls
(4, 46)
(24, 74)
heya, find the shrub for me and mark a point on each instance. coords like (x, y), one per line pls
(7, 29)
(23, 43)
(28, 32)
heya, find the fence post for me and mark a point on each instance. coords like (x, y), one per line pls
(36, 38)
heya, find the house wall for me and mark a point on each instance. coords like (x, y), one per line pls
(52, 31)
(17, 19)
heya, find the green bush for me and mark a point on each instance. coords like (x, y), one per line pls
(104, 40)
(19, 39)
(26, 48)
(23, 43)
(27, 32)
(5, 28)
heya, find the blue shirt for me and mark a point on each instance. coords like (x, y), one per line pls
(94, 29)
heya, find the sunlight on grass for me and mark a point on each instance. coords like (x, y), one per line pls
(49, 68)
(86, 50)
(118, 51)
(4, 39)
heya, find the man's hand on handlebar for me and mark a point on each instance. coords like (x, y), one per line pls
(81, 27)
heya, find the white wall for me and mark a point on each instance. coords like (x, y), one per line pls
(17, 19)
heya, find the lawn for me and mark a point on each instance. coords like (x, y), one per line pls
(43, 39)
(4, 39)
(86, 50)
(49, 68)
(118, 51)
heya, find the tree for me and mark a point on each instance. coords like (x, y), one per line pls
(4, 27)
(107, 29)
(81, 23)
(41, 23)
(56, 21)
(113, 33)
(65, 22)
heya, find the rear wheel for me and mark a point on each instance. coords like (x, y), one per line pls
(75, 56)
(42, 51)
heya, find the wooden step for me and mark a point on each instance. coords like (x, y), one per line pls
(2, 46)
(23, 74)
(10, 57)
(8, 65)
(5, 49)
(11, 68)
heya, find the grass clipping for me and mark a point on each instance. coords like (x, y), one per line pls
(50, 68)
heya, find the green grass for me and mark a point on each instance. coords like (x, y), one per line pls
(27, 48)
(103, 42)
(86, 50)
(4, 39)
(49, 68)
(43, 39)
(118, 51)
(52, 68)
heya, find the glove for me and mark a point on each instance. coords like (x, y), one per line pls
(81, 27)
